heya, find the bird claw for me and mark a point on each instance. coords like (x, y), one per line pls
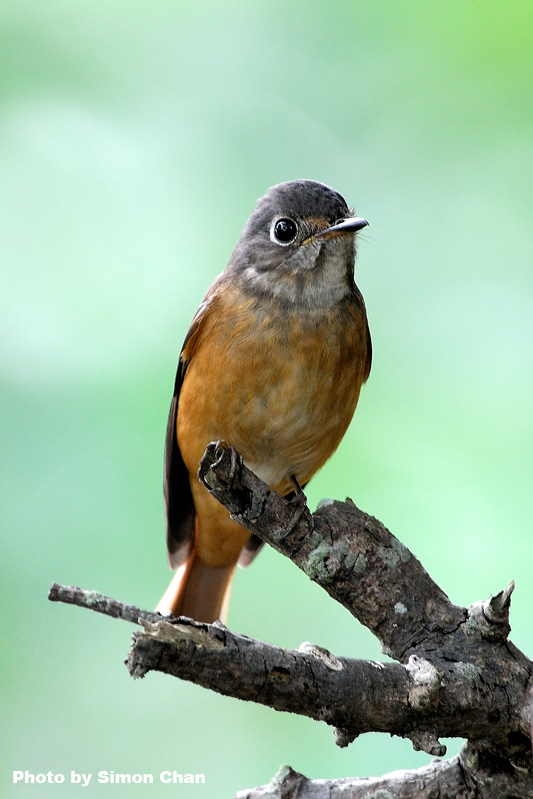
(299, 503)
(222, 447)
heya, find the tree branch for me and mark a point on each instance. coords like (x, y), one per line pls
(458, 674)
(350, 554)
(351, 695)
(354, 696)
(93, 600)
(438, 780)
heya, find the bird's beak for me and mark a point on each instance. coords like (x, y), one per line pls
(349, 225)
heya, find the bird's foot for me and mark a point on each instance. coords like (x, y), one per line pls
(299, 503)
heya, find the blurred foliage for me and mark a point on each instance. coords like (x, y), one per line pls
(134, 140)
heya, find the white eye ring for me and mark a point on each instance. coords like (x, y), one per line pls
(283, 231)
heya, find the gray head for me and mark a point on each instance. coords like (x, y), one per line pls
(298, 245)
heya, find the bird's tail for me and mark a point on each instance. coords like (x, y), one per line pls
(199, 591)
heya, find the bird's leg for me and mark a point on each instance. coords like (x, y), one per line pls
(234, 463)
(235, 460)
(299, 503)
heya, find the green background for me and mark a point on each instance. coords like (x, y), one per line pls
(135, 138)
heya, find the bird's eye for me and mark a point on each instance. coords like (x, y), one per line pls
(285, 231)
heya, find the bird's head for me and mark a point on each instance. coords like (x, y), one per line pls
(298, 245)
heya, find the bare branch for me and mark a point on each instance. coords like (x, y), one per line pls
(445, 780)
(421, 700)
(347, 552)
(458, 675)
(93, 600)
(353, 695)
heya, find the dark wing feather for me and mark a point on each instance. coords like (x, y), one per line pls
(179, 506)
(368, 364)
(359, 301)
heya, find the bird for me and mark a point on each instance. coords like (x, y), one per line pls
(272, 364)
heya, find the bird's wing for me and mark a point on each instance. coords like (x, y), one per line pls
(179, 505)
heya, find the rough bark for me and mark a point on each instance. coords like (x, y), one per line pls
(457, 673)
(430, 782)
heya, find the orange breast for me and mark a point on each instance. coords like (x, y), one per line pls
(278, 384)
